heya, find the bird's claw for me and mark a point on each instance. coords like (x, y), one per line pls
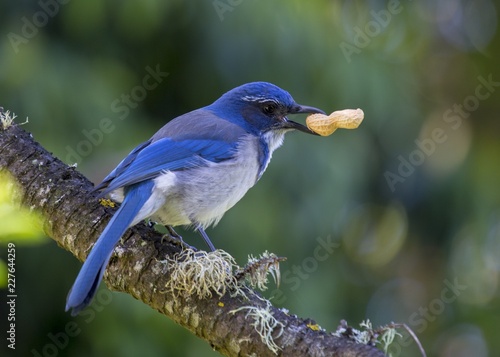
(176, 239)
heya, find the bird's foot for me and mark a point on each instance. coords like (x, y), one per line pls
(173, 237)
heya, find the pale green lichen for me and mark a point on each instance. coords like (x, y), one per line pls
(202, 274)
(7, 119)
(366, 335)
(206, 273)
(264, 323)
(384, 335)
(388, 338)
(257, 270)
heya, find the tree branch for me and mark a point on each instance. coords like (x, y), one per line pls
(74, 218)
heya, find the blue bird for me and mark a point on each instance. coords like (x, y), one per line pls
(192, 171)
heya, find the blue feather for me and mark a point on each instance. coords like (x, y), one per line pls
(90, 275)
(166, 155)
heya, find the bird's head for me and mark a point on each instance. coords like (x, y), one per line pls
(263, 107)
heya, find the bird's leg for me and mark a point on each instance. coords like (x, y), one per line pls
(173, 233)
(174, 237)
(206, 239)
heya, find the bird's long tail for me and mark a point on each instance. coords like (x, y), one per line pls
(90, 275)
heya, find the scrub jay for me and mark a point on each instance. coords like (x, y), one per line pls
(192, 171)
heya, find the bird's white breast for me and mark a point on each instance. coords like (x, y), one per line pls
(274, 139)
(202, 195)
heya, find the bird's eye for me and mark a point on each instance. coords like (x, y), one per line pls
(269, 109)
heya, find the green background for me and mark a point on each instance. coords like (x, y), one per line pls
(410, 199)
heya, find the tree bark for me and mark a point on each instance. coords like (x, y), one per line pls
(74, 218)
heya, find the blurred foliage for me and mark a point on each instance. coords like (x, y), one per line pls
(395, 221)
(19, 224)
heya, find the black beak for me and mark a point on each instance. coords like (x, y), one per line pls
(305, 109)
(298, 110)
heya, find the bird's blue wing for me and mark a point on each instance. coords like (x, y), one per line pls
(187, 141)
(165, 155)
(121, 166)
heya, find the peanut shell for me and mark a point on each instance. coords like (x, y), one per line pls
(325, 125)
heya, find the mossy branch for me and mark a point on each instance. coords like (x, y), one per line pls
(74, 218)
